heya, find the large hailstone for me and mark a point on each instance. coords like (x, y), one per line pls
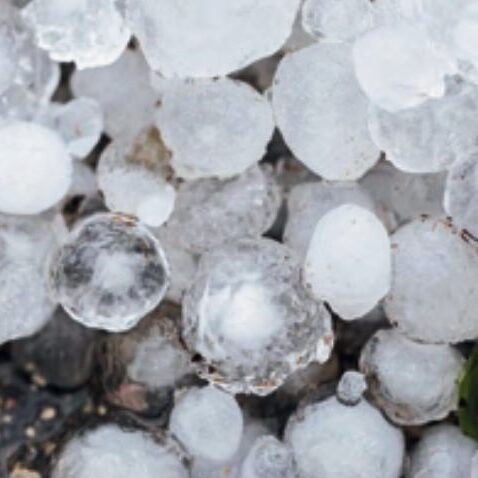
(322, 113)
(331, 439)
(210, 38)
(111, 452)
(434, 293)
(348, 262)
(35, 168)
(251, 319)
(413, 383)
(213, 128)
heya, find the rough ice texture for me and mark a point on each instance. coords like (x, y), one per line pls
(211, 38)
(322, 113)
(250, 318)
(434, 294)
(331, 439)
(110, 272)
(213, 128)
(348, 261)
(351, 387)
(413, 383)
(443, 452)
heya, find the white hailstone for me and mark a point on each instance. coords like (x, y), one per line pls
(208, 422)
(243, 206)
(434, 293)
(211, 38)
(111, 452)
(348, 262)
(251, 319)
(331, 439)
(442, 452)
(89, 32)
(110, 272)
(337, 20)
(35, 168)
(322, 113)
(213, 128)
(413, 383)
(351, 387)
(83, 182)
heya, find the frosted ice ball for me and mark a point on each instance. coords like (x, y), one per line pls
(351, 387)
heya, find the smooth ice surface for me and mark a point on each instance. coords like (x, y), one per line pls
(351, 387)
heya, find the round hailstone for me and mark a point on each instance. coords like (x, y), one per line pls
(443, 452)
(351, 387)
(111, 452)
(430, 137)
(35, 168)
(250, 318)
(110, 272)
(89, 32)
(348, 262)
(213, 128)
(331, 439)
(210, 38)
(322, 113)
(208, 422)
(434, 293)
(413, 383)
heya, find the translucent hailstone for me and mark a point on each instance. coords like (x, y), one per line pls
(213, 128)
(442, 452)
(35, 168)
(133, 178)
(111, 452)
(351, 387)
(89, 32)
(188, 39)
(208, 422)
(331, 439)
(434, 294)
(348, 262)
(413, 383)
(430, 137)
(110, 272)
(244, 206)
(250, 318)
(322, 113)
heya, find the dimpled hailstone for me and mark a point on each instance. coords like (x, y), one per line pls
(35, 168)
(111, 452)
(348, 261)
(110, 272)
(89, 32)
(213, 128)
(251, 319)
(430, 137)
(210, 38)
(442, 452)
(434, 293)
(331, 439)
(351, 387)
(208, 422)
(322, 113)
(413, 383)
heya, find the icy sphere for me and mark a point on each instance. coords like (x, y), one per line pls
(35, 168)
(351, 387)
(434, 293)
(322, 113)
(251, 319)
(89, 32)
(213, 128)
(110, 272)
(430, 137)
(348, 262)
(188, 39)
(443, 452)
(399, 67)
(244, 206)
(331, 439)
(208, 422)
(111, 452)
(413, 383)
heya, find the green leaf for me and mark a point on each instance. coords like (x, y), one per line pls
(468, 393)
